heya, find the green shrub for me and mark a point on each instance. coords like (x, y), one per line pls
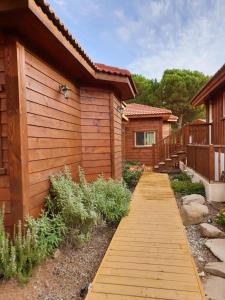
(220, 218)
(131, 174)
(49, 230)
(112, 199)
(182, 177)
(84, 205)
(187, 187)
(19, 255)
(71, 210)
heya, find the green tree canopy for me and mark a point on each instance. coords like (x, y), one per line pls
(174, 91)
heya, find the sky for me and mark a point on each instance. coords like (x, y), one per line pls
(148, 36)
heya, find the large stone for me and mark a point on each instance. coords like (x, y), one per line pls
(200, 207)
(217, 247)
(215, 288)
(210, 231)
(193, 213)
(216, 268)
(196, 198)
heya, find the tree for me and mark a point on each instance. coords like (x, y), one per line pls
(174, 91)
(147, 90)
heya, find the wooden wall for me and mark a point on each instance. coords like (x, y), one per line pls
(166, 129)
(218, 124)
(117, 139)
(95, 126)
(5, 196)
(52, 131)
(141, 154)
(54, 135)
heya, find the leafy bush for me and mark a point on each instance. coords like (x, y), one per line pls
(83, 205)
(74, 203)
(220, 218)
(19, 255)
(182, 177)
(72, 210)
(49, 230)
(187, 187)
(132, 173)
(112, 199)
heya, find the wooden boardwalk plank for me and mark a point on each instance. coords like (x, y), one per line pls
(149, 256)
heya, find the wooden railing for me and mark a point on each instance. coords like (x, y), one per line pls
(176, 141)
(200, 159)
(179, 139)
(208, 161)
(199, 134)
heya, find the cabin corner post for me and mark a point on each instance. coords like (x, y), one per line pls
(17, 128)
(112, 146)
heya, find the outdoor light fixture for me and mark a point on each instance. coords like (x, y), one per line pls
(120, 109)
(63, 89)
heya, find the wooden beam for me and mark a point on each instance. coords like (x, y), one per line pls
(17, 128)
(112, 146)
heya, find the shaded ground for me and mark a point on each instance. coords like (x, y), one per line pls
(63, 277)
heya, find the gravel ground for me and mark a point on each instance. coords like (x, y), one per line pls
(62, 278)
(201, 253)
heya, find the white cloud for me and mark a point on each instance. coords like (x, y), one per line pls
(179, 34)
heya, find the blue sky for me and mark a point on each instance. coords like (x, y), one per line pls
(148, 36)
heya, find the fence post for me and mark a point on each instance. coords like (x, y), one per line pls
(211, 163)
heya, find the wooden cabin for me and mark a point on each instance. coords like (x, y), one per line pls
(145, 127)
(206, 152)
(57, 107)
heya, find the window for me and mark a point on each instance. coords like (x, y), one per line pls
(144, 138)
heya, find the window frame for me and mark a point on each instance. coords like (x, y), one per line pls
(144, 146)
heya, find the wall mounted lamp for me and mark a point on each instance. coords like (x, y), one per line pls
(64, 90)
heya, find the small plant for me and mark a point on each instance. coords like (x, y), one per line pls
(220, 217)
(49, 230)
(19, 255)
(84, 205)
(182, 177)
(187, 187)
(132, 173)
(112, 199)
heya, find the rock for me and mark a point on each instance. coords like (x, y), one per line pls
(201, 259)
(216, 268)
(56, 254)
(217, 247)
(193, 198)
(202, 208)
(210, 231)
(202, 274)
(193, 213)
(215, 288)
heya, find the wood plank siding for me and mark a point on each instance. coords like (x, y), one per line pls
(141, 154)
(5, 196)
(53, 125)
(117, 139)
(218, 120)
(101, 133)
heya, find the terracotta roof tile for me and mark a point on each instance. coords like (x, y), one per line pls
(112, 70)
(135, 109)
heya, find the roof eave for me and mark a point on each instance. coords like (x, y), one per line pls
(214, 83)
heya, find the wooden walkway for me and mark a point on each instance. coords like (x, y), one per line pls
(149, 256)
